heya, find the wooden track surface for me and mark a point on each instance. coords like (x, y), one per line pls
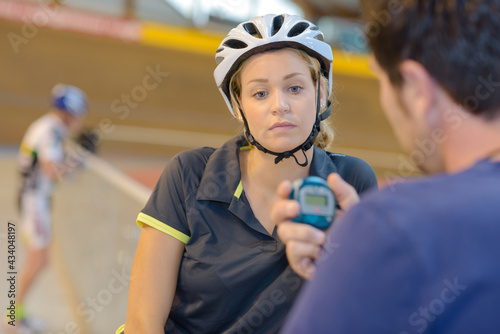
(186, 99)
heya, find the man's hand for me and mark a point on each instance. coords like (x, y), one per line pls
(345, 195)
(303, 241)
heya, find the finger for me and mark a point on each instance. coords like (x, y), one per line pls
(284, 210)
(301, 257)
(284, 189)
(289, 231)
(345, 194)
(305, 268)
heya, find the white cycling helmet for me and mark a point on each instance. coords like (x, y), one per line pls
(264, 33)
(69, 99)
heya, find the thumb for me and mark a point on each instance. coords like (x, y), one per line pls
(345, 194)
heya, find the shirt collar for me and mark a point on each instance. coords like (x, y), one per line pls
(222, 173)
(322, 165)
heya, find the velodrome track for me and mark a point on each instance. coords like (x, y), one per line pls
(85, 288)
(164, 81)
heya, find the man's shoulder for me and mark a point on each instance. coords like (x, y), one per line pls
(402, 194)
(455, 186)
(452, 198)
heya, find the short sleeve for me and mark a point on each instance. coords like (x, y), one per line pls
(165, 209)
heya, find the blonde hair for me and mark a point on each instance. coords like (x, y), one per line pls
(326, 135)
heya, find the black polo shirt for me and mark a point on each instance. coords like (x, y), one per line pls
(234, 276)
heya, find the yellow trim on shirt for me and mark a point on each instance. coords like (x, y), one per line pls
(148, 220)
(246, 148)
(238, 190)
(120, 329)
(25, 149)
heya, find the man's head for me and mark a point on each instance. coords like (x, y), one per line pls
(456, 41)
(434, 59)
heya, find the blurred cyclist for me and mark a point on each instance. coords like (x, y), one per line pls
(42, 162)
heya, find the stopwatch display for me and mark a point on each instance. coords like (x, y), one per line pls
(317, 202)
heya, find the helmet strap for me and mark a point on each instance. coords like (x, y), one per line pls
(306, 145)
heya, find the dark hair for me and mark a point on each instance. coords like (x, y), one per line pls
(457, 41)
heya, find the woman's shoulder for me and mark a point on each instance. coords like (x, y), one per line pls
(200, 154)
(344, 161)
(199, 157)
(192, 160)
(184, 171)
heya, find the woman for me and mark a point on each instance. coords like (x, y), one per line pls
(208, 258)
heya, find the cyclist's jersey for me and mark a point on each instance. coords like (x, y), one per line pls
(43, 141)
(234, 276)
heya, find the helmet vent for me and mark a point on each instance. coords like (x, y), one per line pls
(219, 60)
(277, 24)
(298, 29)
(235, 44)
(252, 30)
(319, 37)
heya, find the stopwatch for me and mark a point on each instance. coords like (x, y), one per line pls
(317, 202)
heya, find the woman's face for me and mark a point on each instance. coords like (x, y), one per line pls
(278, 97)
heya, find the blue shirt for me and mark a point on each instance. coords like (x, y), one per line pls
(420, 257)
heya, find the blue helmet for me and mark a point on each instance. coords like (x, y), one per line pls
(69, 99)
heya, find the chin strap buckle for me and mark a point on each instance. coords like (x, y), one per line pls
(288, 154)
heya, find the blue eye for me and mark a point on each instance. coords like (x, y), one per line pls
(295, 89)
(260, 95)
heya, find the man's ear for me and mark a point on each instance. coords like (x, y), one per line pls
(418, 90)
